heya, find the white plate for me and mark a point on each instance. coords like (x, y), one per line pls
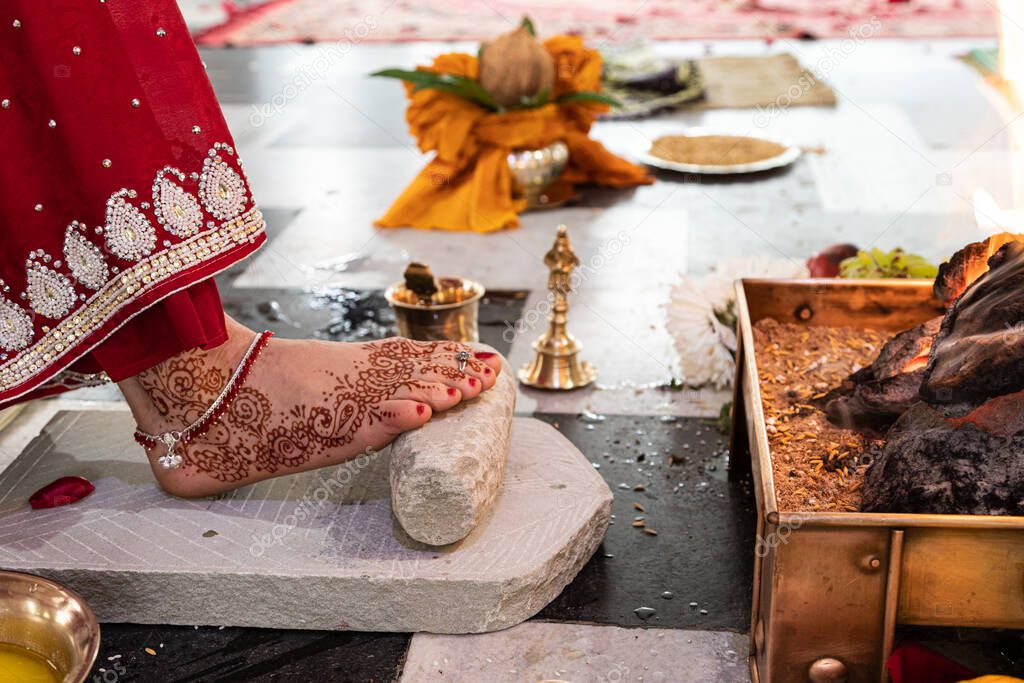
(785, 158)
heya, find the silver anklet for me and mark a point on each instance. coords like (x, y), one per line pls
(172, 459)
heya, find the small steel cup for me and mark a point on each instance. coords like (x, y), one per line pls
(50, 620)
(451, 314)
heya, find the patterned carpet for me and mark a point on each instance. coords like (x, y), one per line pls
(356, 21)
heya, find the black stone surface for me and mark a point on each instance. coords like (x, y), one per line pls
(185, 654)
(703, 550)
(342, 314)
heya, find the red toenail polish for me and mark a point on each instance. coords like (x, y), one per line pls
(484, 355)
(420, 409)
(472, 381)
(487, 371)
(451, 391)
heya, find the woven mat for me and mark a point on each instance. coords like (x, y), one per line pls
(761, 82)
(359, 21)
(746, 82)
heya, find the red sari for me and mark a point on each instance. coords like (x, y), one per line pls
(121, 193)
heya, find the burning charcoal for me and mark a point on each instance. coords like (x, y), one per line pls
(967, 265)
(978, 353)
(1002, 415)
(958, 451)
(929, 465)
(876, 395)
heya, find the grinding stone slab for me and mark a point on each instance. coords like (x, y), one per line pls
(319, 550)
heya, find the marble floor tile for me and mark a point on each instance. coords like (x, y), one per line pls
(574, 653)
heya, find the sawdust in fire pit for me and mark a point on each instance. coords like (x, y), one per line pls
(714, 150)
(815, 463)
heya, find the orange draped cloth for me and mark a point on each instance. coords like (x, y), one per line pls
(468, 184)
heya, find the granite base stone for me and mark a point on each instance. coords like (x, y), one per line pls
(319, 550)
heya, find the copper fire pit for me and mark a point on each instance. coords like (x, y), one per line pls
(830, 587)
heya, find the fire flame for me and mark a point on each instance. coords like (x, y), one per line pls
(919, 361)
(968, 264)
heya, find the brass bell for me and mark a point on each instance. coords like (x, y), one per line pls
(556, 364)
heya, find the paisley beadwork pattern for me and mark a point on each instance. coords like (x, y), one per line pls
(176, 210)
(129, 234)
(84, 259)
(221, 189)
(53, 345)
(15, 326)
(50, 293)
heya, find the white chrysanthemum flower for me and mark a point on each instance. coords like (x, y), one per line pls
(701, 314)
(704, 357)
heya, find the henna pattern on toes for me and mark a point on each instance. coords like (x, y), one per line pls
(261, 434)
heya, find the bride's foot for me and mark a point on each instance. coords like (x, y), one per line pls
(304, 404)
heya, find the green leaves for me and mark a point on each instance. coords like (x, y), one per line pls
(724, 421)
(469, 89)
(893, 264)
(585, 96)
(727, 316)
(464, 87)
(527, 24)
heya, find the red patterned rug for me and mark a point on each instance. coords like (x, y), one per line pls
(355, 21)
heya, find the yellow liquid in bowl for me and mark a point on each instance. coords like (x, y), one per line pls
(20, 665)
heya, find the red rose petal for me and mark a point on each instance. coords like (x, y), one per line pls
(63, 491)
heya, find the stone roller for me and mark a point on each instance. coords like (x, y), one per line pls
(446, 474)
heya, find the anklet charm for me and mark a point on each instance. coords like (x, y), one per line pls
(171, 460)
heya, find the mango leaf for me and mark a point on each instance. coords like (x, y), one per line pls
(414, 76)
(585, 96)
(462, 86)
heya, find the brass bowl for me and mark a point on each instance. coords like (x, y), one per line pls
(533, 170)
(50, 620)
(450, 315)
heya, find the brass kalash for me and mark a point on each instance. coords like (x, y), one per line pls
(557, 364)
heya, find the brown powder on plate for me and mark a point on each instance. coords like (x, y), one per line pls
(714, 150)
(814, 462)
